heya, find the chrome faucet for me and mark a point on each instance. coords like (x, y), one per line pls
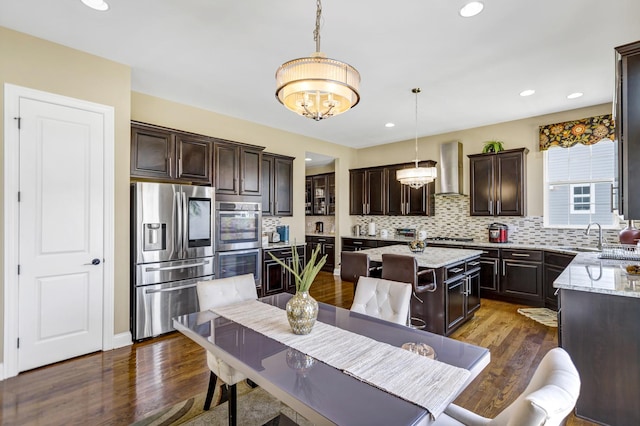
(599, 233)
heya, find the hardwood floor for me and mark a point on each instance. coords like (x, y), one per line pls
(125, 385)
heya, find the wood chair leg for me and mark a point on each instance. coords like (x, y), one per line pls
(233, 405)
(210, 390)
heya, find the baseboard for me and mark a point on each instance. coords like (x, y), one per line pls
(336, 271)
(1, 371)
(121, 340)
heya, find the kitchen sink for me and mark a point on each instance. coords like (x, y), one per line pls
(581, 249)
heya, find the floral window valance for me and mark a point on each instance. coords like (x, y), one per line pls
(587, 131)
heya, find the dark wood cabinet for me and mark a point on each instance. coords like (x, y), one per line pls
(276, 278)
(357, 244)
(600, 333)
(404, 200)
(238, 169)
(170, 155)
(327, 246)
(489, 271)
(522, 275)
(554, 264)
(277, 185)
(462, 298)
(367, 191)
(320, 195)
(627, 120)
(497, 182)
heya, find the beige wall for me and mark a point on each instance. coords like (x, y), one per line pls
(514, 134)
(37, 64)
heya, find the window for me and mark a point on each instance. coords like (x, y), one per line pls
(578, 185)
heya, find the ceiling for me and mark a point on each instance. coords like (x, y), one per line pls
(222, 56)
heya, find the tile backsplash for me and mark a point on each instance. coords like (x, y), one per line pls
(452, 219)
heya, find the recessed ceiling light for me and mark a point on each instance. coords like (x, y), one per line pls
(307, 159)
(574, 95)
(389, 125)
(471, 9)
(527, 92)
(100, 5)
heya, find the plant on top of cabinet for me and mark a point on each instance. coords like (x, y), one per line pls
(497, 182)
(492, 146)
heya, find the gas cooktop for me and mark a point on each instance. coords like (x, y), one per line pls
(460, 239)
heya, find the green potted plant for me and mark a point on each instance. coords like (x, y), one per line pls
(302, 309)
(492, 146)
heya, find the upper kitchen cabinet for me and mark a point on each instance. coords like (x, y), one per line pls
(320, 195)
(498, 183)
(627, 122)
(238, 169)
(367, 191)
(277, 185)
(404, 200)
(167, 154)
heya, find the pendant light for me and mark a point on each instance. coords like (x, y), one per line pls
(317, 87)
(416, 177)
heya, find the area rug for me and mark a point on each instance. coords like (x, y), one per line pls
(542, 315)
(255, 408)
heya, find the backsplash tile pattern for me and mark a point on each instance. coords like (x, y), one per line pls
(452, 219)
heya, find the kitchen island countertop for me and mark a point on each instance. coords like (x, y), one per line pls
(432, 257)
(587, 272)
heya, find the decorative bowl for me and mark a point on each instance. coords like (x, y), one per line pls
(416, 246)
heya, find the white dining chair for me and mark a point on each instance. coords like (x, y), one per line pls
(213, 294)
(385, 299)
(549, 398)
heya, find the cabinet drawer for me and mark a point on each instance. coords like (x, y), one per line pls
(455, 270)
(282, 253)
(359, 243)
(524, 255)
(488, 252)
(557, 259)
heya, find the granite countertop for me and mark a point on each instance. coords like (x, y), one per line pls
(587, 272)
(470, 244)
(432, 257)
(281, 245)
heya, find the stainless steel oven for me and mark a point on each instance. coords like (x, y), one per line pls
(238, 225)
(239, 262)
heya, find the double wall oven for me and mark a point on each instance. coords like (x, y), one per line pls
(238, 239)
(172, 243)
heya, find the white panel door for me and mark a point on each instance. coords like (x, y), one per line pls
(61, 233)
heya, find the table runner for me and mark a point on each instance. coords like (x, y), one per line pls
(428, 383)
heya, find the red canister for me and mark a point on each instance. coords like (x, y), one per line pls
(498, 233)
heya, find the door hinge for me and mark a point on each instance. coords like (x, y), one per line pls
(19, 196)
(18, 269)
(18, 343)
(19, 121)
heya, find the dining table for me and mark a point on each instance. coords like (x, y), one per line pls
(313, 386)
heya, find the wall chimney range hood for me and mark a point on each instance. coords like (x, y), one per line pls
(451, 168)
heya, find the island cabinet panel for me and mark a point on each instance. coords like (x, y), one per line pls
(554, 264)
(522, 275)
(600, 333)
(497, 183)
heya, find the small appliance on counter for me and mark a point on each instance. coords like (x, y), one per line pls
(274, 237)
(372, 229)
(283, 232)
(319, 227)
(356, 230)
(406, 232)
(384, 233)
(422, 235)
(498, 233)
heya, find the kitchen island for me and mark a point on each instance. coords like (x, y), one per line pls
(456, 273)
(599, 320)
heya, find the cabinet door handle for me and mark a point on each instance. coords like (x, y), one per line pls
(169, 169)
(504, 268)
(520, 255)
(456, 270)
(498, 206)
(179, 166)
(357, 242)
(611, 192)
(555, 293)
(474, 263)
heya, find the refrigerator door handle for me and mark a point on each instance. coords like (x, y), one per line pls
(170, 268)
(166, 290)
(178, 237)
(185, 219)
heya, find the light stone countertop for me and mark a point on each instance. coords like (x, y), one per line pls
(281, 245)
(432, 257)
(587, 272)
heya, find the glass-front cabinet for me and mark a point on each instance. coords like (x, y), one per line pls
(320, 195)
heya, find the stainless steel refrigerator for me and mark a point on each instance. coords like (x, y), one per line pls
(172, 248)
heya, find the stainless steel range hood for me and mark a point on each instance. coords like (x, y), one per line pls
(450, 168)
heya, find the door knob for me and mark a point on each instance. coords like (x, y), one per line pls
(95, 261)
